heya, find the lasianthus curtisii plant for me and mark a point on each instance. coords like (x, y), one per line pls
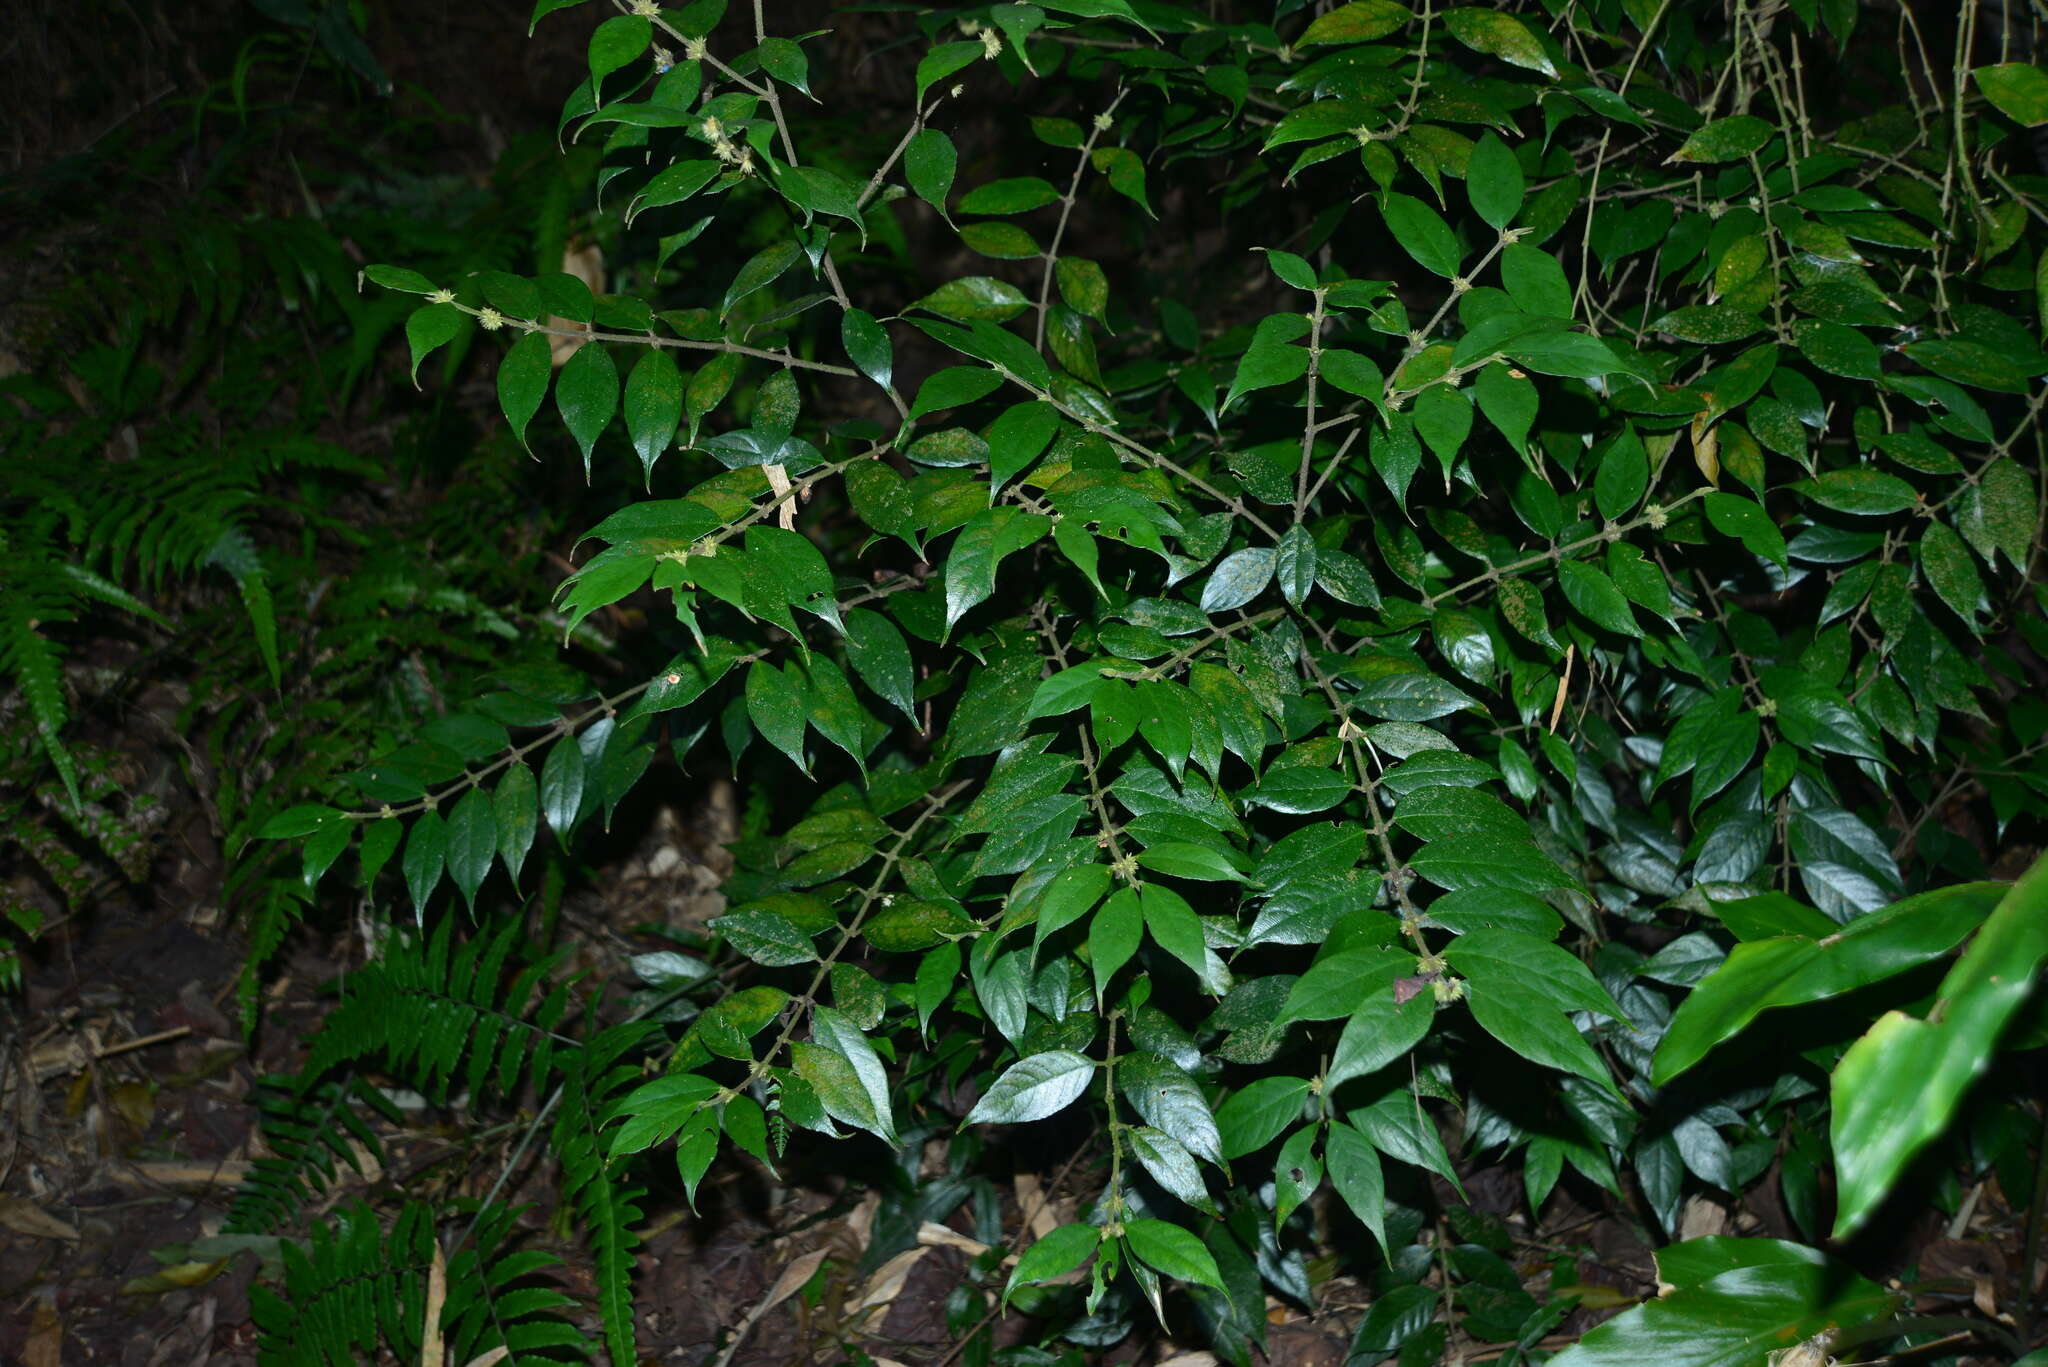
(1306, 597)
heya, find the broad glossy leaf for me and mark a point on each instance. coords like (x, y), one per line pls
(1170, 1165)
(587, 394)
(1240, 577)
(1113, 937)
(832, 1029)
(1255, 1114)
(1359, 21)
(777, 705)
(429, 328)
(1771, 1299)
(472, 842)
(1898, 1087)
(1173, 1251)
(1422, 233)
(1528, 1022)
(766, 937)
(1791, 970)
(1594, 594)
(523, 381)
(867, 345)
(1170, 1102)
(1058, 1253)
(1356, 1174)
(653, 404)
(2019, 89)
(1741, 518)
(1034, 1088)
(426, 855)
(1726, 139)
(1493, 178)
(879, 654)
(929, 163)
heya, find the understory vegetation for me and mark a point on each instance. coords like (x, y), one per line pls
(1335, 625)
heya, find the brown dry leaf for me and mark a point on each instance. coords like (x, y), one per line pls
(779, 486)
(1702, 1218)
(587, 265)
(490, 1359)
(859, 1223)
(934, 1235)
(1190, 1360)
(45, 1346)
(225, 1173)
(136, 1103)
(24, 1216)
(887, 1282)
(800, 1270)
(1706, 449)
(433, 1352)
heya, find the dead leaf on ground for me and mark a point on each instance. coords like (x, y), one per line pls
(24, 1216)
(45, 1346)
(793, 1279)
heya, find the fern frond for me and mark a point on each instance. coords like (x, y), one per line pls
(33, 660)
(347, 1290)
(351, 1289)
(494, 1298)
(431, 1011)
(307, 1131)
(235, 553)
(606, 1204)
(98, 587)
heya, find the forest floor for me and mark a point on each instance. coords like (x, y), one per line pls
(127, 1122)
(126, 1081)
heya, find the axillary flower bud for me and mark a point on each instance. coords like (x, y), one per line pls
(991, 44)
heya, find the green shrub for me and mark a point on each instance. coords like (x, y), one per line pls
(1302, 590)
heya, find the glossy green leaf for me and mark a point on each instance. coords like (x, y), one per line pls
(1034, 1088)
(1356, 1174)
(523, 381)
(1054, 1256)
(1726, 139)
(1359, 21)
(2019, 89)
(1898, 1087)
(426, 856)
(1240, 577)
(1173, 1251)
(1170, 1102)
(929, 163)
(1791, 970)
(429, 328)
(1254, 1115)
(653, 404)
(1763, 1297)
(587, 393)
(1494, 180)
(867, 345)
(1498, 34)
(1170, 1165)
(777, 706)
(1736, 516)
(1422, 233)
(515, 807)
(472, 842)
